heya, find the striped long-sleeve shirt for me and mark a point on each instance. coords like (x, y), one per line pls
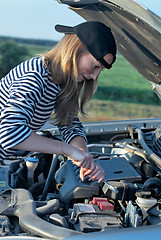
(27, 98)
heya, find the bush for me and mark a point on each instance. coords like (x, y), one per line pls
(11, 56)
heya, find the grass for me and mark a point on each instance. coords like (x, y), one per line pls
(123, 83)
(123, 93)
(104, 110)
(35, 49)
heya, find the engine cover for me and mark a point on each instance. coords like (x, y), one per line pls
(72, 186)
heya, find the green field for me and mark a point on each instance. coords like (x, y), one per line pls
(35, 49)
(123, 93)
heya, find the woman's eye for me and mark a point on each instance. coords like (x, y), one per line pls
(96, 66)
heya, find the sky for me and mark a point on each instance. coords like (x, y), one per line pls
(35, 19)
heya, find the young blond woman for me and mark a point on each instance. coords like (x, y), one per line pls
(62, 80)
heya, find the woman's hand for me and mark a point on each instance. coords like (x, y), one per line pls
(82, 159)
(96, 173)
(85, 161)
(78, 153)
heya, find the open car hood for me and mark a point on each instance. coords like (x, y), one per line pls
(136, 29)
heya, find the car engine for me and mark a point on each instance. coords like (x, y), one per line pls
(42, 195)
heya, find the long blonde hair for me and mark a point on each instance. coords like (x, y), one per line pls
(62, 63)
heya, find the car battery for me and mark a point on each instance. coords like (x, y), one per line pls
(90, 218)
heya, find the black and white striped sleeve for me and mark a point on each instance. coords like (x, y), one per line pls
(70, 131)
(25, 92)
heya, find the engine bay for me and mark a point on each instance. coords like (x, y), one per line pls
(42, 195)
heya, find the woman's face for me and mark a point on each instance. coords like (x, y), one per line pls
(90, 68)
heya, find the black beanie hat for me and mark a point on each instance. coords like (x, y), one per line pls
(96, 37)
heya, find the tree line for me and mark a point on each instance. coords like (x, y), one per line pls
(13, 53)
(39, 42)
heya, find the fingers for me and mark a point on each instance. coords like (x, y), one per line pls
(82, 171)
(85, 161)
(98, 173)
(95, 173)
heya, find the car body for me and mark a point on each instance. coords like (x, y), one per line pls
(42, 196)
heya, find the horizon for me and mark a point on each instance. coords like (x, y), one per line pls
(28, 39)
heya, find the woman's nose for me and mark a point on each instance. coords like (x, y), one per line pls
(95, 75)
